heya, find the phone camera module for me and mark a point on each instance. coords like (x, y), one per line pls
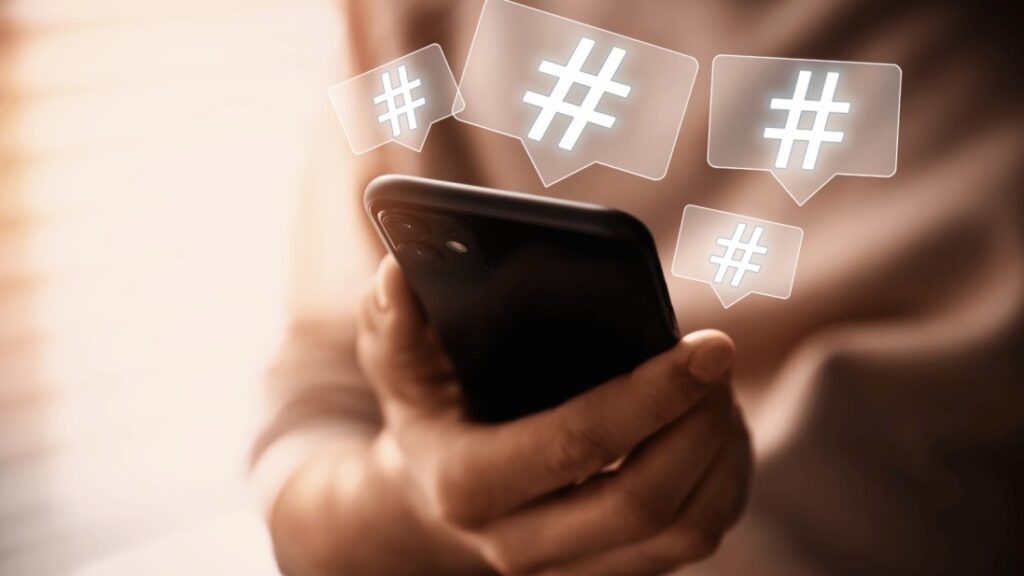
(404, 227)
(418, 253)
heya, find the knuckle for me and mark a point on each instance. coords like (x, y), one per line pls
(450, 496)
(365, 305)
(502, 558)
(446, 501)
(366, 350)
(367, 318)
(581, 450)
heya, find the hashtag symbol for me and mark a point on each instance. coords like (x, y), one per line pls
(742, 265)
(817, 134)
(586, 112)
(390, 97)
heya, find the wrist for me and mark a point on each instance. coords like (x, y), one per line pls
(436, 547)
(349, 509)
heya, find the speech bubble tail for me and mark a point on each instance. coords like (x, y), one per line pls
(728, 295)
(800, 185)
(552, 169)
(458, 105)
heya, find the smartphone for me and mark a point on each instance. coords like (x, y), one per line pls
(534, 299)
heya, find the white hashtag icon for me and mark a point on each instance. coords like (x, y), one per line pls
(743, 264)
(586, 112)
(390, 97)
(797, 106)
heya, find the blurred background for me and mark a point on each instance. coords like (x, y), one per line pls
(136, 315)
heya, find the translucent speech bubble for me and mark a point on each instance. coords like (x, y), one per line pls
(737, 255)
(574, 95)
(396, 102)
(805, 121)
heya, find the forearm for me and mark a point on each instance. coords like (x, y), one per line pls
(342, 513)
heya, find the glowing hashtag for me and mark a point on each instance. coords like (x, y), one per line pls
(735, 244)
(817, 134)
(586, 112)
(390, 97)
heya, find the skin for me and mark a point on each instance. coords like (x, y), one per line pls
(637, 476)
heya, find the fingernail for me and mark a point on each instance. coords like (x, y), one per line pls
(710, 361)
(381, 295)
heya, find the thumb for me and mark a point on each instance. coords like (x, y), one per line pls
(398, 352)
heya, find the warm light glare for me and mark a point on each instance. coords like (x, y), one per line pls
(152, 156)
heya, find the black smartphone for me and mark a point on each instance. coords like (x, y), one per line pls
(535, 300)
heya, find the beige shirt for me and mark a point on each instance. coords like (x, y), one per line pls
(885, 397)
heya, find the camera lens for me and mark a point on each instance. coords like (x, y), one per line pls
(456, 246)
(419, 253)
(404, 227)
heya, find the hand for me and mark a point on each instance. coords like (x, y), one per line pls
(540, 494)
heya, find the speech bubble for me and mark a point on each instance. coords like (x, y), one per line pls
(737, 255)
(573, 94)
(805, 121)
(396, 102)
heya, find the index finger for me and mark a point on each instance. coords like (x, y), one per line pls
(494, 469)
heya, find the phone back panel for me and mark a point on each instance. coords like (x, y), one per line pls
(557, 297)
